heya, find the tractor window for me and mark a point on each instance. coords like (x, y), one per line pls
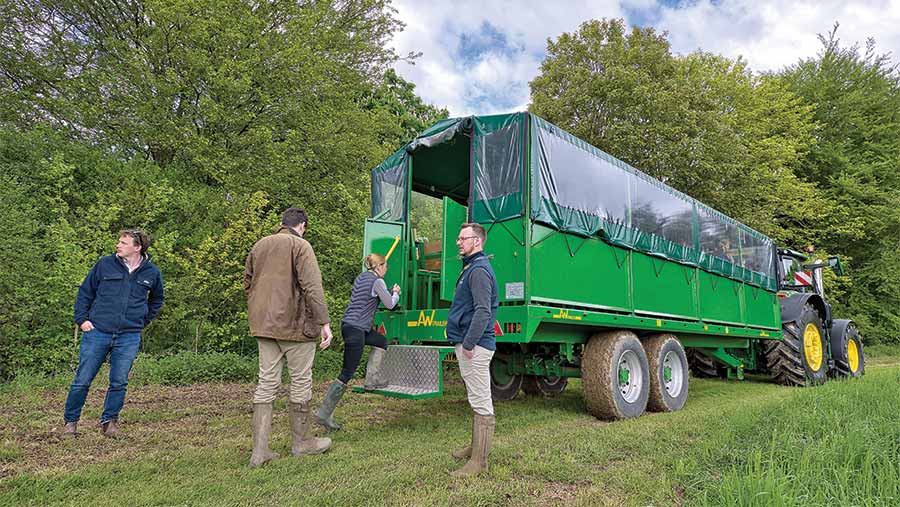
(790, 266)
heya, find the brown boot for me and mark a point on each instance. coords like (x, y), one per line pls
(482, 435)
(302, 444)
(70, 429)
(262, 425)
(463, 452)
(110, 429)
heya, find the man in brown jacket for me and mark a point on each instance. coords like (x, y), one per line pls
(287, 313)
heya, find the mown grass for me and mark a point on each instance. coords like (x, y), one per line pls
(735, 443)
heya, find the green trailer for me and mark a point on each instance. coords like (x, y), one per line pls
(604, 273)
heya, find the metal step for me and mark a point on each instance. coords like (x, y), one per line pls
(413, 371)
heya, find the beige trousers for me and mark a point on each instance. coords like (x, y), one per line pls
(299, 356)
(476, 374)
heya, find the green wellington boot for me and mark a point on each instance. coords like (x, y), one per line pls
(325, 414)
(374, 374)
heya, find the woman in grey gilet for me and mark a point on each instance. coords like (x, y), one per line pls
(356, 328)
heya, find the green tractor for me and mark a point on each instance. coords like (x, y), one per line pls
(815, 345)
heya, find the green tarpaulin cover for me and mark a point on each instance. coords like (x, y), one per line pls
(575, 188)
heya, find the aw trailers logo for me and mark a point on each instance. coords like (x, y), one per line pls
(426, 321)
(429, 321)
(564, 314)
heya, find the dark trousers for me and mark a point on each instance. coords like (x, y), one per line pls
(354, 340)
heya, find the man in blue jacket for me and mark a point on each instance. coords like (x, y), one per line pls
(470, 326)
(121, 294)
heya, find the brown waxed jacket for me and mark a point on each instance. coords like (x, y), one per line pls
(285, 300)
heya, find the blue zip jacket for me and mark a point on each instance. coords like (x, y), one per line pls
(117, 301)
(473, 312)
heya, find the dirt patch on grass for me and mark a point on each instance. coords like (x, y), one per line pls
(155, 419)
(559, 491)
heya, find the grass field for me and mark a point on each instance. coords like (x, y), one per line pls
(735, 443)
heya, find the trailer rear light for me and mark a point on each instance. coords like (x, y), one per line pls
(512, 327)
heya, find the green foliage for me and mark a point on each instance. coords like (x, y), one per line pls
(808, 454)
(186, 368)
(426, 217)
(213, 273)
(856, 162)
(199, 122)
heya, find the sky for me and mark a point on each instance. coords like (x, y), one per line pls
(478, 56)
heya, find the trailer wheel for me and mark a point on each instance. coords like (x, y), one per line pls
(703, 366)
(847, 350)
(504, 386)
(668, 373)
(615, 375)
(800, 358)
(544, 386)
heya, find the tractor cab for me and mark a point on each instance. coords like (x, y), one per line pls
(798, 277)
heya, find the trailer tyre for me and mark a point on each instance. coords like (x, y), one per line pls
(703, 366)
(504, 386)
(615, 375)
(668, 373)
(847, 350)
(800, 358)
(544, 386)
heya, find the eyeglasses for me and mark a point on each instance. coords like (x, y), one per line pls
(136, 234)
(463, 238)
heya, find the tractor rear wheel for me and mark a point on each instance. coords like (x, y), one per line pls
(615, 375)
(668, 373)
(544, 386)
(847, 350)
(800, 358)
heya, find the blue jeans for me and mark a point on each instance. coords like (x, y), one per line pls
(96, 346)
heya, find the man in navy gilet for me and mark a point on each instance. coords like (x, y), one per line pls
(470, 326)
(118, 298)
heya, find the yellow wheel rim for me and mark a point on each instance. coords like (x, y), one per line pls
(853, 356)
(812, 347)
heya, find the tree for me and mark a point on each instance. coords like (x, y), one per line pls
(199, 121)
(856, 161)
(701, 123)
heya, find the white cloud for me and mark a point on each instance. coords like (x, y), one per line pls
(496, 80)
(772, 34)
(478, 56)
